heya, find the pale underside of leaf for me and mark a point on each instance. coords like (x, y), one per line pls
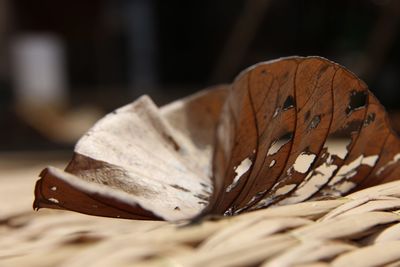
(137, 162)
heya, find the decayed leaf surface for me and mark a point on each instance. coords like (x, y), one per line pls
(273, 134)
(140, 162)
(276, 138)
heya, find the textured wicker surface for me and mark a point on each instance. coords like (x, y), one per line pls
(362, 229)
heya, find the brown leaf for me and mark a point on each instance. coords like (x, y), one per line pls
(275, 134)
(276, 138)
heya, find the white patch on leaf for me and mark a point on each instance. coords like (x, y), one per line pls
(348, 171)
(311, 184)
(370, 161)
(396, 158)
(53, 200)
(272, 164)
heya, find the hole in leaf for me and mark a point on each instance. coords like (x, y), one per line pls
(314, 123)
(278, 144)
(303, 162)
(358, 100)
(241, 169)
(289, 103)
(337, 147)
(370, 118)
(277, 110)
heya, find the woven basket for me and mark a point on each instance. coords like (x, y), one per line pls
(361, 229)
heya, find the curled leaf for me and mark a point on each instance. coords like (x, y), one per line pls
(140, 162)
(270, 138)
(285, 117)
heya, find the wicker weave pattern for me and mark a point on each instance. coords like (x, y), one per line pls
(361, 229)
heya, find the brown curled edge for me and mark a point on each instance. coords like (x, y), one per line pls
(51, 191)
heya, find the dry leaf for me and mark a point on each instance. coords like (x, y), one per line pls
(140, 162)
(274, 130)
(276, 138)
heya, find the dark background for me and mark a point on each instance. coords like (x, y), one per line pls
(118, 50)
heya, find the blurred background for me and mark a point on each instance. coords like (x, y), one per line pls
(64, 64)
